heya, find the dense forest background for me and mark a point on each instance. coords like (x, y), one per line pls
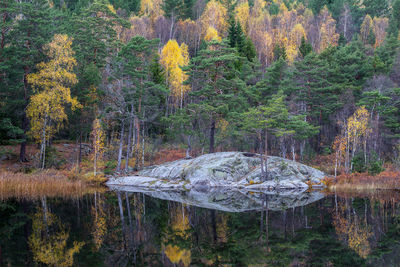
(288, 78)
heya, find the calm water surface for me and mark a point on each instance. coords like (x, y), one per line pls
(121, 227)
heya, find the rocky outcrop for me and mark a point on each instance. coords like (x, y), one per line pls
(233, 200)
(224, 169)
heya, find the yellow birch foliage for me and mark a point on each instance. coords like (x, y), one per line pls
(111, 8)
(287, 29)
(357, 125)
(297, 33)
(366, 26)
(242, 13)
(173, 57)
(258, 9)
(294, 42)
(212, 35)
(98, 139)
(258, 25)
(46, 110)
(214, 15)
(283, 8)
(327, 30)
(151, 8)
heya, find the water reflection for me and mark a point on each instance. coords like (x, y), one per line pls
(233, 200)
(48, 239)
(120, 228)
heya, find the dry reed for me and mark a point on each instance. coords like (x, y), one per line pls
(49, 183)
(389, 179)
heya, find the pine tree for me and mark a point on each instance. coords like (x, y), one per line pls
(272, 83)
(394, 21)
(94, 33)
(311, 89)
(215, 84)
(26, 39)
(10, 76)
(136, 97)
(272, 119)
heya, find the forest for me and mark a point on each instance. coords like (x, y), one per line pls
(126, 82)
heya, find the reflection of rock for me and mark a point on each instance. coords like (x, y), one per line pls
(224, 169)
(233, 200)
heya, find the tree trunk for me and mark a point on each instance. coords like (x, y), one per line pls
(212, 133)
(22, 152)
(43, 145)
(80, 150)
(137, 140)
(121, 214)
(95, 162)
(128, 147)
(262, 220)
(121, 145)
(336, 163)
(45, 217)
(261, 155)
(189, 148)
(142, 147)
(293, 150)
(266, 154)
(266, 220)
(302, 146)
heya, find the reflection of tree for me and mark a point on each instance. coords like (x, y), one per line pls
(176, 255)
(177, 238)
(352, 230)
(48, 240)
(99, 220)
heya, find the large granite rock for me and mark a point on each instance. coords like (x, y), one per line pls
(224, 169)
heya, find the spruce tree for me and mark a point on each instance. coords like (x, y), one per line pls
(232, 32)
(305, 47)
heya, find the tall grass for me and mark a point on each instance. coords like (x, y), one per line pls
(389, 179)
(49, 183)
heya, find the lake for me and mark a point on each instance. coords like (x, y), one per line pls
(126, 227)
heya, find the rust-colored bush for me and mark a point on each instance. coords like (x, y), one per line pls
(171, 154)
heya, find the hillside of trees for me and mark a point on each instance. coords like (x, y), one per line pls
(282, 77)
